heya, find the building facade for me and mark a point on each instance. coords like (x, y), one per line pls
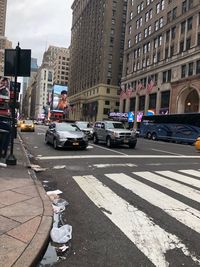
(96, 53)
(4, 42)
(61, 67)
(161, 68)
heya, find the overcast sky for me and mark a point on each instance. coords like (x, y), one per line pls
(38, 24)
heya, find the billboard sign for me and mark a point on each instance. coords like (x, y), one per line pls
(59, 98)
(4, 89)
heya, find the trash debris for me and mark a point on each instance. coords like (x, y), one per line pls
(3, 165)
(54, 192)
(63, 248)
(58, 209)
(60, 202)
(62, 234)
(37, 168)
(59, 167)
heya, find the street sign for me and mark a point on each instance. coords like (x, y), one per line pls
(20, 66)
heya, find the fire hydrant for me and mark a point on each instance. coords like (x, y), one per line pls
(197, 144)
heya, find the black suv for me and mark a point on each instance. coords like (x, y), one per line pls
(113, 133)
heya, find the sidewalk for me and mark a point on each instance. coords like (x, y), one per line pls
(25, 213)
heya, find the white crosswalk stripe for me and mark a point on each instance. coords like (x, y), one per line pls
(149, 237)
(174, 186)
(181, 178)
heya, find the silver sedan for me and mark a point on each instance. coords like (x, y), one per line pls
(65, 135)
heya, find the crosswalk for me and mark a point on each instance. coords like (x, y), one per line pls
(167, 191)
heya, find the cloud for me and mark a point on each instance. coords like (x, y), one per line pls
(38, 24)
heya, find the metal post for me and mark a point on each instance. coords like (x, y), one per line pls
(11, 160)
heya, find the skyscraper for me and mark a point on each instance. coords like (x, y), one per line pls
(4, 43)
(3, 6)
(98, 30)
(161, 56)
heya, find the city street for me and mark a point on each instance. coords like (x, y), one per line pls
(127, 207)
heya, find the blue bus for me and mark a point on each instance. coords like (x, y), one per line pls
(180, 128)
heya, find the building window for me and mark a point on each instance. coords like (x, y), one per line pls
(198, 67)
(183, 71)
(183, 27)
(107, 103)
(181, 46)
(169, 16)
(157, 8)
(189, 24)
(161, 22)
(188, 43)
(173, 32)
(106, 111)
(167, 35)
(174, 11)
(184, 7)
(162, 4)
(107, 90)
(165, 97)
(171, 50)
(198, 39)
(190, 69)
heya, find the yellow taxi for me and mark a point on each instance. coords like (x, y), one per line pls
(27, 126)
(197, 144)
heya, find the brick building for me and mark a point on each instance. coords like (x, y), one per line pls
(161, 56)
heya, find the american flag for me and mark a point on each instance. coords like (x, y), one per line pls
(129, 91)
(139, 87)
(150, 85)
(123, 93)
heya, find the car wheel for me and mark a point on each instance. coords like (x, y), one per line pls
(149, 135)
(95, 139)
(45, 140)
(132, 145)
(108, 142)
(154, 136)
(55, 144)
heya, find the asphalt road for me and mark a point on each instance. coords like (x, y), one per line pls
(128, 207)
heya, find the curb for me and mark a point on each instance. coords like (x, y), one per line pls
(33, 252)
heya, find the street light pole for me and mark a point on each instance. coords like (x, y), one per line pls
(11, 159)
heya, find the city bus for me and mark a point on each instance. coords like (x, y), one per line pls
(180, 128)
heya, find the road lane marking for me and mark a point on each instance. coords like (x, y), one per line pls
(180, 177)
(108, 149)
(174, 186)
(119, 156)
(149, 238)
(114, 165)
(158, 150)
(192, 172)
(178, 210)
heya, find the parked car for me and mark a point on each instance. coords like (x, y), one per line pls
(113, 133)
(27, 126)
(65, 135)
(86, 127)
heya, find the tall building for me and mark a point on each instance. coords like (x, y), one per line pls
(61, 66)
(4, 43)
(96, 55)
(161, 57)
(3, 7)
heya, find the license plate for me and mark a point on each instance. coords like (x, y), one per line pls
(125, 141)
(75, 143)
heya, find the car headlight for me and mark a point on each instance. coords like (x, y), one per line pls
(133, 132)
(115, 134)
(85, 138)
(62, 136)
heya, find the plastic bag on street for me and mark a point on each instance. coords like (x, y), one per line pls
(62, 234)
(60, 202)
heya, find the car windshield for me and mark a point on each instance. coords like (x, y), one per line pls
(66, 127)
(28, 122)
(115, 125)
(83, 124)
